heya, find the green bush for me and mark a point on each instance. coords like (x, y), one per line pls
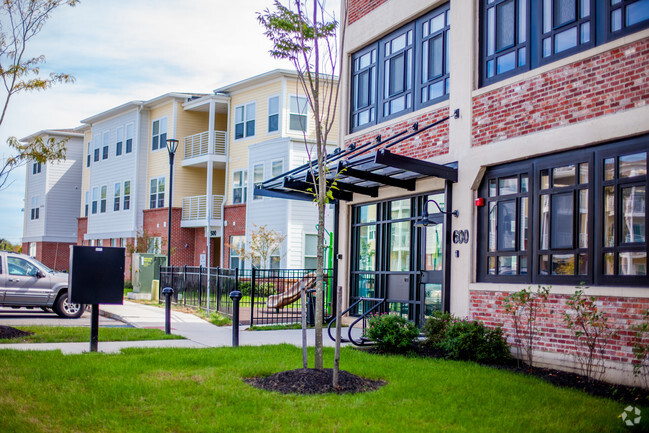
(244, 288)
(436, 326)
(470, 340)
(392, 333)
(219, 319)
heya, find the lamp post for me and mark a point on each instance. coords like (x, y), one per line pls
(172, 145)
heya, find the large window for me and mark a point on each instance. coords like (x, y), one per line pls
(298, 113)
(157, 193)
(236, 245)
(117, 197)
(239, 186)
(310, 251)
(244, 120)
(273, 114)
(104, 198)
(106, 139)
(159, 134)
(119, 141)
(127, 195)
(569, 218)
(519, 35)
(129, 138)
(35, 209)
(402, 72)
(96, 139)
(95, 199)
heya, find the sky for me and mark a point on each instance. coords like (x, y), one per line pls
(124, 50)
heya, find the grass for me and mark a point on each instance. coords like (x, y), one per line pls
(276, 327)
(73, 334)
(200, 390)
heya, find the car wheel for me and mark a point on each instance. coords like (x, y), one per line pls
(65, 308)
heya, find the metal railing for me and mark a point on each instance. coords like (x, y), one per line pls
(195, 207)
(198, 144)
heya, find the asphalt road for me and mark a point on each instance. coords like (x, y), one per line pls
(36, 316)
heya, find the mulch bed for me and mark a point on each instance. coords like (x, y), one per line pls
(312, 381)
(7, 332)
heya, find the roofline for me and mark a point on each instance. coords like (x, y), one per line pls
(261, 77)
(53, 132)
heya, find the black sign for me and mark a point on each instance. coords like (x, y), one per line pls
(96, 275)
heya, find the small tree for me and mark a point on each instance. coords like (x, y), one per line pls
(306, 34)
(264, 244)
(20, 21)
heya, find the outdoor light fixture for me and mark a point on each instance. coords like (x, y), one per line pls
(172, 146)
(431, 220)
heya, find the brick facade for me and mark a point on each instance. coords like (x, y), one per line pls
(82, 229)
(426, 145)
(607, 83)
(182, 239)
(553, 335)
(235, 217)
(359, 8)
(55, 255)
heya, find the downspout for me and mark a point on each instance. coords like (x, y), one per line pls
(134, 186)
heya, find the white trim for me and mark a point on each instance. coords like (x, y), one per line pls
(306, 114)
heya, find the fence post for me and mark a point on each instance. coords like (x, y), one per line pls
(184, 285)
(217, 289)
(200, 285)
(303, 302)
(253, 283)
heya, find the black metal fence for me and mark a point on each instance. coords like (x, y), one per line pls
(270, 296)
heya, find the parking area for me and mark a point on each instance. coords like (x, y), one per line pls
(36, 316)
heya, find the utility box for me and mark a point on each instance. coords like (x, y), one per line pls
(96, 275)
(146, 268)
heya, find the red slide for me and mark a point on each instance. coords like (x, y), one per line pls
(291, 295)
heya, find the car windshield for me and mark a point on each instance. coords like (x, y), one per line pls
(41, 265)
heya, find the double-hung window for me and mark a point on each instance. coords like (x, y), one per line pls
(273, 114)
(157, 193)
(95, 199)
(106, 139)
(578, 216)
(87, 204)
(239, 186)
(119, 141)
(35, 210)
(88, 155)
(277, 168)
(310, 251)
(117, 197)
(257, 178)
(96, 147)
(36, 168)
(104, 198)
(129, 138)
(402, 72)
(244, 120)
(127, 195)
(298, 118)
(159, 134)
(236, 245)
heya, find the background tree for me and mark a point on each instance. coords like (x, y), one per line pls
(305, 33)
(265, 243)
(20, 21)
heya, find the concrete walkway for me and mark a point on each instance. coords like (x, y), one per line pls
(198, 332)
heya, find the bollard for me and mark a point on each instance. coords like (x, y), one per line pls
(167, 292)
(235, 295)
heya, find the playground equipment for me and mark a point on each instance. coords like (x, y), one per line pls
(291, 295)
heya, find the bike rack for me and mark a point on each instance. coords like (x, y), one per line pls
(363, 341)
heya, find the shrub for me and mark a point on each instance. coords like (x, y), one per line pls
(641, 349)
(219, 319)
(470, 340)
(436, 326)
(392, 333)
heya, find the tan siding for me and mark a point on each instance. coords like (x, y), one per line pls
(158, 161)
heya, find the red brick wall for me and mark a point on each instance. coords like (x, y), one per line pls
(55, 255)
(608, 83)
(359, 8)
(155, 225)
(232, 214)
(423, 146)
(82, 229)
(553, 335)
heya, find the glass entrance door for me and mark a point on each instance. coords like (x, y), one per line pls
(431, 273)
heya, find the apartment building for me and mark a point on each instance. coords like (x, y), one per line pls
(52, 197)
(519, 131)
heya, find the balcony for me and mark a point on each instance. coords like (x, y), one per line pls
(197, 151)
(195, 211)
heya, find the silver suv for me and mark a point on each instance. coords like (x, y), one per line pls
(26, 282)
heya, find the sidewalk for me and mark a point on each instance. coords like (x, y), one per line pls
(198, 332)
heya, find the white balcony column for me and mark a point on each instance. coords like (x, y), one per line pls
(210, 172)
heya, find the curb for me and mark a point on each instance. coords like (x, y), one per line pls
(117, 317)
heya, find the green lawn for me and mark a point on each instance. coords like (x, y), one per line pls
(72, 334)
(192, 390)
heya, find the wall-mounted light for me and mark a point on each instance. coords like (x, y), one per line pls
(437, 218)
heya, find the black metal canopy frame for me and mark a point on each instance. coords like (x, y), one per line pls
(361, 170)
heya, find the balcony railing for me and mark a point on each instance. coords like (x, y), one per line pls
(195, 208)
(197, 144)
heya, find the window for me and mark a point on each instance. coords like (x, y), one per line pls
(244, 121)
(257, 178)
(95, 199)
(519, 35)
(113, 242)
(36, 168)
(277, 168)
(275, 260)
(236, 245)
(154, 245)
(129, 138)
(104, 193)
(85, 211)
(273, 114)
(127, 195)
(575, 217)
(106, 138)
(310, 251)
(116, 197)
(35, 209)
(96, 148)
(240, 186)
(298, 106)
(402, 72)
(18, 266)
(32, 249)
(88, 155)
(120, 141)
(159, 134)
(157, 193)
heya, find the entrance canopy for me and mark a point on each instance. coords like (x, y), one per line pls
(360, 170)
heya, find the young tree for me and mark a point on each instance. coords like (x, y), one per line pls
(305, 33)
(264, 242)
(20, 21)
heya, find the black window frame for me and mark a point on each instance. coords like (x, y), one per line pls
(595, 249)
